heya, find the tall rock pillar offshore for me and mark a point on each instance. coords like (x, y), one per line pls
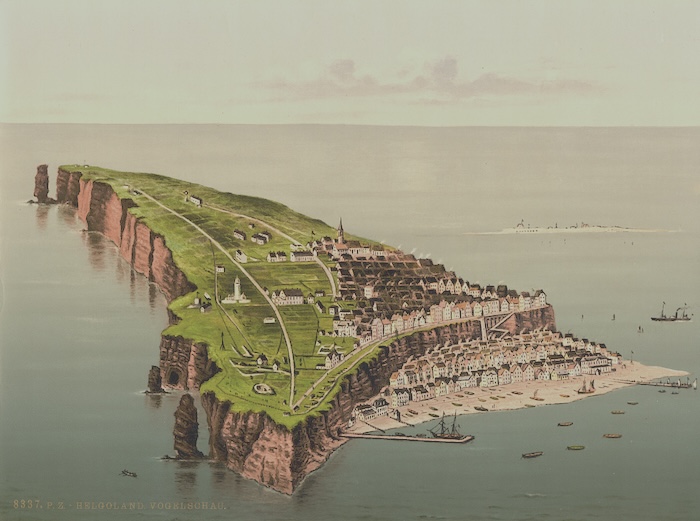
(41, 184)
(186, 429)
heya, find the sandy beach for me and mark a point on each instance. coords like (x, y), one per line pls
(503, 398)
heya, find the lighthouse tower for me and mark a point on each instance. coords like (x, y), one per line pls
(237, 289)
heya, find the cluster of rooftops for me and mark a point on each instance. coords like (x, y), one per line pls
(541, 355)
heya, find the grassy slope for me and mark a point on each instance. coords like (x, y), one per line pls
(243, 328)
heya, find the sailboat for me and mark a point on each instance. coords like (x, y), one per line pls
(442, 431)
(585, 388)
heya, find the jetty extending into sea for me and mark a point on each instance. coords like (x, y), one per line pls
(465, 439)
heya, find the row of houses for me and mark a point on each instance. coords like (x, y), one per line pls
(370, 329)
(522, 358)
(261, 238)
(294, 256)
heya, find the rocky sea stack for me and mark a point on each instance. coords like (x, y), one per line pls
(186, 429)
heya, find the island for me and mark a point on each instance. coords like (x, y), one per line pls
(297, 334)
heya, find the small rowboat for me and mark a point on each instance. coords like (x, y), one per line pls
(482, 399)
(470, 393)
(129, 474)
(456, 404)
(517, 392)
(632, 403)
(612, 436)
(564, 395)
(617, 412)
(412, 411)
(529, 405)
(565, 424)
(576, 447)
(433, 408)
(480, 408)
(494, 397)
(434, 415)
(529, 455)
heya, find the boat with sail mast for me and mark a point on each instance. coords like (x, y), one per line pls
(442, 431)
(585, 388)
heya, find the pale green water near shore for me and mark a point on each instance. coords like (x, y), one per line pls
(78, 330)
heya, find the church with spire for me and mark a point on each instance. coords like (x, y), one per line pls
(341, 234)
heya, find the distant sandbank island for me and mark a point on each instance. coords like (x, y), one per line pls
(526, 229)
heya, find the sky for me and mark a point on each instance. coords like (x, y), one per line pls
(378, 62)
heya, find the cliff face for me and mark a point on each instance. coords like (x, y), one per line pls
(257, 448)
(182, 365)
(250, 443)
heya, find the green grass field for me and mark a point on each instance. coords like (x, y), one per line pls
(242, 324)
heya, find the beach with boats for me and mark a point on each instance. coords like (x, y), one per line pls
(481, 400)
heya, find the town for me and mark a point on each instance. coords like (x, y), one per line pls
(445, 369)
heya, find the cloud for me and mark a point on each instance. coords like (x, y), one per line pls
(438, 83)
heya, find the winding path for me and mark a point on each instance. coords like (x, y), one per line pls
(286, 236)
(250, 277)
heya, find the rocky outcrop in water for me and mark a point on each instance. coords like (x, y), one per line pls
(41, 185)
(186, 429)
(155, 382)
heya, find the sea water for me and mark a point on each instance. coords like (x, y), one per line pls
(79, 329)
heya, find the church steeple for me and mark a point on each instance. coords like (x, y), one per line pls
(341, 233)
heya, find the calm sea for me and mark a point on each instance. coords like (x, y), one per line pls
(79, 330)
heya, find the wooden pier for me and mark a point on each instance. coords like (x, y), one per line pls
(671, 385)
(407, 438)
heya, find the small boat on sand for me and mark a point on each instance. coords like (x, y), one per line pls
(480, 408)
(412, 411)
(529, 455)
(535, 397)
(433, 415)
(482, 399)
(575, 447)
(456, 404)
(564, 395)
(494, 397)
(612, 436)
(470, 393)
(517, 392)
(433, 408)
(617, 412)
(529, 405)
(565, 424)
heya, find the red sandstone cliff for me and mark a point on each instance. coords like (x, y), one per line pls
(41, 184)
(252, 444)
(257, 448)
